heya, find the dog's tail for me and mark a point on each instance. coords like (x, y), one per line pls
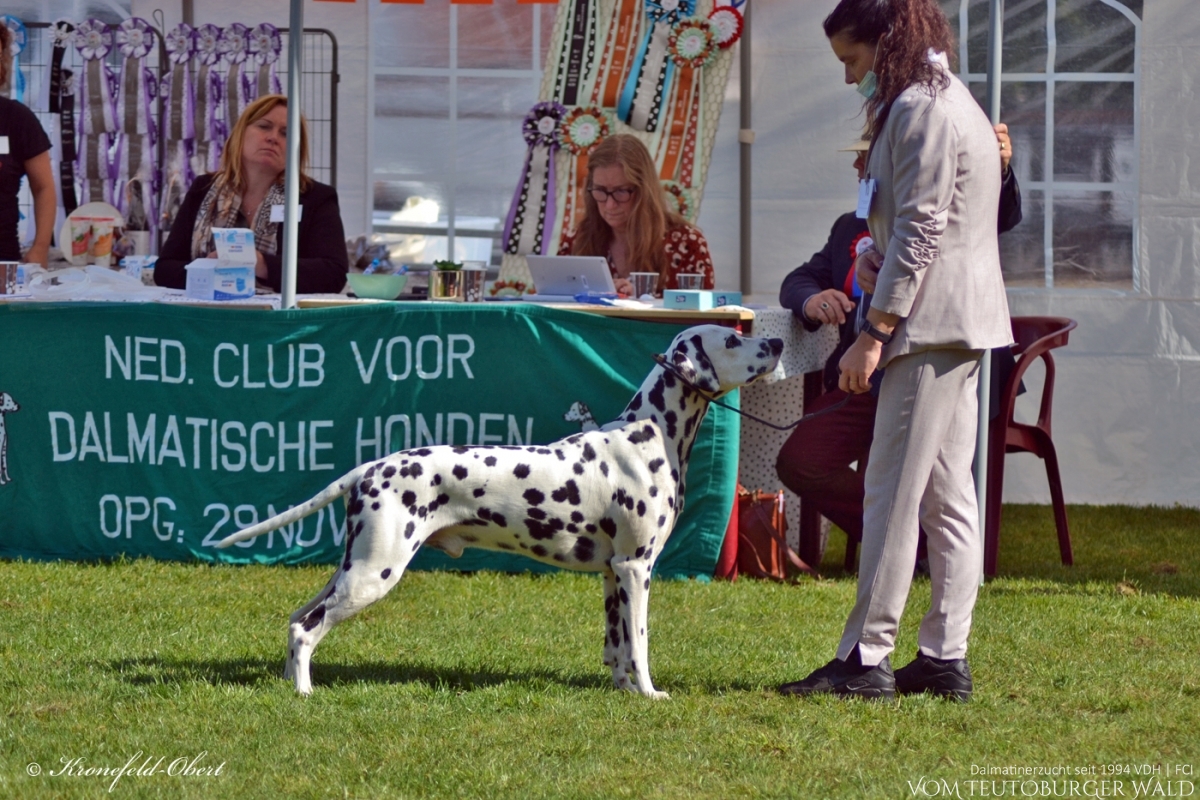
(330, 493)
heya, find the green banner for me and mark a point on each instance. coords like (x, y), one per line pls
(153, 430)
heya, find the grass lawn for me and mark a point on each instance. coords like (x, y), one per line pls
(491, 685)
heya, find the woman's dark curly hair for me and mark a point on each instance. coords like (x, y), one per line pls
(903, 32)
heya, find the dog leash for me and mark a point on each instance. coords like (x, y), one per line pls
(669, 367)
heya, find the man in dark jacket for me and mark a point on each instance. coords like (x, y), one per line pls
(815, 461)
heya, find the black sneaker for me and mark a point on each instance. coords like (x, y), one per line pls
(950, 678)
(847, 679)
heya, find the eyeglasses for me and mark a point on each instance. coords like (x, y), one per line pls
(622, 195)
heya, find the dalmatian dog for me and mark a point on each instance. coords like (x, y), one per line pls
(7, 406)
(579, 412)
(603, 501)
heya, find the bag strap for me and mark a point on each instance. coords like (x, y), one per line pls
(778, 535)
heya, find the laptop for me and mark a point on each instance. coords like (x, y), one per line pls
(559, 278)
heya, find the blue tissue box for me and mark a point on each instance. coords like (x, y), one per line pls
(699, 300)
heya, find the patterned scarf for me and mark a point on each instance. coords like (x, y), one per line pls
(221, 208)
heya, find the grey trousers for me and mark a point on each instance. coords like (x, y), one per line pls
(919, 475)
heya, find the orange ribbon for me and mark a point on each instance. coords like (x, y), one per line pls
(685, 85)
(621, 50)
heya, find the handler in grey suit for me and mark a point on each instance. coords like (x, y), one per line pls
(939, 302)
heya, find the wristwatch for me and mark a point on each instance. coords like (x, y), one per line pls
(875, 333)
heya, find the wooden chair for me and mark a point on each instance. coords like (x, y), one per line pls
(1035, 337)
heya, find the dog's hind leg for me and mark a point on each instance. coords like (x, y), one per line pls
(633, 596)
(295, 626)
(614, 648)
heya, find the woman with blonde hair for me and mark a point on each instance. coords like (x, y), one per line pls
(627, 221)
(247, 192)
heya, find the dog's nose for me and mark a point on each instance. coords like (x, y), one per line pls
(776, 346)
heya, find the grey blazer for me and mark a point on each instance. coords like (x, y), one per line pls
(933, 217)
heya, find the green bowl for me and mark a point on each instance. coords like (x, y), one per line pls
(377, 287)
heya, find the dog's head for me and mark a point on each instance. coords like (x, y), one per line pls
(717, 360)
(7, 404)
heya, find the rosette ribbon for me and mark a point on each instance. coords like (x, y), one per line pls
(265, 48)
(680, 199)
(19, 38)
(533, 203)
(97, 117)
(135, 161)
(578, 53)
(206, 150)
(581, 129)
(617, 53)
(235, 49)
(729, 23)
(63, 35)
(691, 45)
(652, 69)
(179, 122)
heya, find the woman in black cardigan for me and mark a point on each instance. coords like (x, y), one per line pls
(243, 194)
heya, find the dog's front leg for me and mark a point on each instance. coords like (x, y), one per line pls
(614, 647)
(633, 595)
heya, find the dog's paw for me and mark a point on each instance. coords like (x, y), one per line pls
(654, 694)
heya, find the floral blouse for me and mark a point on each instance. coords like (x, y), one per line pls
(687, 253)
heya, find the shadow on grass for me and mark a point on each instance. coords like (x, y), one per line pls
(157, 670)
(1146, 550)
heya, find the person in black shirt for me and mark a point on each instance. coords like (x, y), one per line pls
(247, 192)
(24, 150)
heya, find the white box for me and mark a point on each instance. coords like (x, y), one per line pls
(214, 279)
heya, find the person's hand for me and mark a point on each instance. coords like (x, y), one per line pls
(1005, 147)
(38, 254)
(260, 265)
(866, 269)
(624, 287)
(829, 307)
(858, 363)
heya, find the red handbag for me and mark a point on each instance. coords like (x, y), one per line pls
(762, 549)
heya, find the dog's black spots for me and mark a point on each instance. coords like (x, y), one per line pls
(389, 471)
(375, 506)
(572, 527)
(608, 526)
(433, 505)
(534, 496)
(404, 472)
(604, 468)
(504, 546)
(625, 630)
(466, 537)
(479, 492)
(544, 530)
(358, 526)
(613, 615)
(644, 435)
(568, 492)
(524, 546)
(424, 451)
(612, 635)
(386, 485)
(750, 370)
(366, 486)
(641, 508)
(656, 394)
(669, 380)
(538, 550)
(292, 654)
(422, 511)
(662, 520)
(443, 499)
(459, 471)
(314, 617)
(617, 578)
(621, 593)
(459, 449)
(655, 464)
(484, 513)
(354, 506)
(521, 471)
(670, 502)
(590, 528)
(409, 498)
(543, 451)
(409, 529)
(732, 342)
(675, 475)
(641, 551)
(472, 522)
(370, 471)
(646, 585)
(535, 513)
(589, 452)
(490, 461)
(385, 574)
(561, 455)
(560, 558)
(576, 516)
(577, 468)
(671, 419)
(437, 480)
(585, 548)
(636, 402)
(653, 491)
(683, 401)
(690, 424)
(499, 520)
(416, 470)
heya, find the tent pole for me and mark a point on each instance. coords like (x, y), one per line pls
(291, 185)
(995, 53)
(745, 141)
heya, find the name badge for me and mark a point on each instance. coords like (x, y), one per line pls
(277, 213)
(3, 145)
(866, 193)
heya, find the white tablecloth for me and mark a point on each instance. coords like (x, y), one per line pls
(779, 399)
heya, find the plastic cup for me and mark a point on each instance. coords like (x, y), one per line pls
(8, 277)
(688, 282)
(643, 283)
(473, 279)
(102, 242)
